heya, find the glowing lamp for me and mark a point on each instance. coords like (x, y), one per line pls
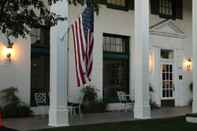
(8, 52)
(151, 62)
(188, 64)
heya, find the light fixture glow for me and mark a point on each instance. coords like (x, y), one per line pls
(8, 51)
(188, 64)
(151, 62)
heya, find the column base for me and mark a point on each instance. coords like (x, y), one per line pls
(194, 106)
(58, 117)
(142, 112)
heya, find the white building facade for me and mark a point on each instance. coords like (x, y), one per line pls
(134, 50)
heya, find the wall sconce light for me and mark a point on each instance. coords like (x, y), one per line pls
(151, 62)
(8, 52)
(188, 64)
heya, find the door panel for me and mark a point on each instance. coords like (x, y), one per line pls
(167, 85)
(167, 81)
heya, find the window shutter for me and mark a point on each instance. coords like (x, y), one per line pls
(179, 9)
(131, 4)
(154, 6)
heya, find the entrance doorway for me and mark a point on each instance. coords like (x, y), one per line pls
(167, 85)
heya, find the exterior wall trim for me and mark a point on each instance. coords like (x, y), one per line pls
(164, 34)
(178, 33)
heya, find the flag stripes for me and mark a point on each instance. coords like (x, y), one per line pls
(83, 36)
(79, 47)
(89, 55)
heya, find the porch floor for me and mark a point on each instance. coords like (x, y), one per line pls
(42, 122)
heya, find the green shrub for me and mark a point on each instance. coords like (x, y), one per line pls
(89, 93)
(14, 107)
(90, 103)
(10, 110)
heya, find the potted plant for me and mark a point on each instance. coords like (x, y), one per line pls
(152, 103)
(90, 102)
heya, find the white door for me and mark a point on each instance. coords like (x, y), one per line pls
(167, 81)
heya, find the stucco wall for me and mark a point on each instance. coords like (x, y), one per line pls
(17, 72)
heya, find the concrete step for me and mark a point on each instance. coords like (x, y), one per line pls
(191, 118)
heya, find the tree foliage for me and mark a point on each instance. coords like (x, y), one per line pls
(17, 17)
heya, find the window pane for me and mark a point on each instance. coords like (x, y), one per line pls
(166, 8)
(167, 54)
(163, 76)
(115, 44)
(170, 76)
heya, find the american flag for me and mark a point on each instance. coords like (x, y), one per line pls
(83, 30)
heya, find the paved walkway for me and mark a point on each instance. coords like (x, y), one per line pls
(42, 122)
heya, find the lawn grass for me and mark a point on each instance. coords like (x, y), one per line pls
(170, 124)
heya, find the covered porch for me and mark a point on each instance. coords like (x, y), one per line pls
(38, 122)
(58, 112)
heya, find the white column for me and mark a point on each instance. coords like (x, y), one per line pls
(194, 59)
(141, 54)
(58, 111)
